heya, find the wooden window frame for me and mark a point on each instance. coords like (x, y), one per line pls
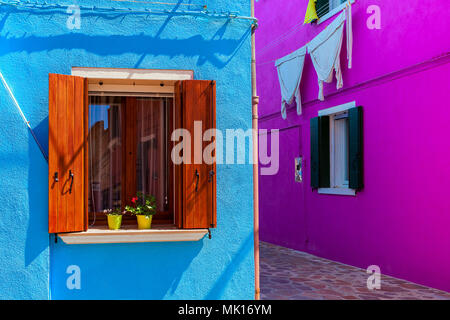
(194, 100)
(128, 179)
(135, 82)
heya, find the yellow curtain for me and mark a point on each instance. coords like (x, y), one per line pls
(311, 14)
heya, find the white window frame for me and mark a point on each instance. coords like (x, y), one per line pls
(131, 81)
(333, 12)
(331, 112)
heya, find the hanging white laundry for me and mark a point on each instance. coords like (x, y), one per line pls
(290, 69)
(349, 33)
(325, 51)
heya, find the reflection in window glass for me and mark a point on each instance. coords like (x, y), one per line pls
(341, 140)
(105, 153)
(151, 160)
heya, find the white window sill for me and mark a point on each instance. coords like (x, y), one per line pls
(338, 191)
(130, 234)
(333, 12)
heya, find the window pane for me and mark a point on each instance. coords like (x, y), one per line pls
(105, 153)
(325, 6)
(341, 151)
(152, 162)
(322, 7)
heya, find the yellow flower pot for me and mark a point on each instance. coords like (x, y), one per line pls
(114, 221)
(144, 222)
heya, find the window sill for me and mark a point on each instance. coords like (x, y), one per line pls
(130, 234)
(338, 191)
(334, 12)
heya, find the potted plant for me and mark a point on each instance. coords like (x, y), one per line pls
(144, 208)
(114, 218)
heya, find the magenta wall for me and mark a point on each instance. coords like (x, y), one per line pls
(401, 75)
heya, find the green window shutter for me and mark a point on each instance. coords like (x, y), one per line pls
(355, 148)
(324, 152)
(314, 127)
(320, 152)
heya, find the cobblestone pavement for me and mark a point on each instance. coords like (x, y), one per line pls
(288, 274)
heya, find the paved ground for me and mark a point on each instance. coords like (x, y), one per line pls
(288, 274)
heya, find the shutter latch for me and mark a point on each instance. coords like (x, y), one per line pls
(211, 174)
(197, 175)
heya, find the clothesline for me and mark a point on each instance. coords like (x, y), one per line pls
(285, 35)
(324, 50)
(199, 13)
(27, 123)
(262, 50)
(165, 3)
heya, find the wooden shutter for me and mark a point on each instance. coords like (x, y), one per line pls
(68, 129)
(320, 152)
(355, 148)
(195, 183)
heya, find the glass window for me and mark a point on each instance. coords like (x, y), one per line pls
(325, 6)
(128, 153)
(105, 153)
(341, 140)
(151, 160)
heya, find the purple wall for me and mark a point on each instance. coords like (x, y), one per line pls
(401, 219)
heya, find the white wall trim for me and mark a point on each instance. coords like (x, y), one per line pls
(334, 12)
(340, 108)
(328, 112)
(128, 235)
(337, 191)
(129, 88)
(133, 74)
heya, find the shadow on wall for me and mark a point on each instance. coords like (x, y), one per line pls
(211, 50)
(36, 243)
(243, 252)
(121, 271)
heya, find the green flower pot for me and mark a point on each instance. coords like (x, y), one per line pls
(114, 221)
(144, 222)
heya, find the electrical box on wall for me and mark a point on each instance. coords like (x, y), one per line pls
(298, 170)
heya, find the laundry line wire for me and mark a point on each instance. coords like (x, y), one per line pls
(163, 3)
(16, 104)
(200, 13)
(289, 33)
(281, 40)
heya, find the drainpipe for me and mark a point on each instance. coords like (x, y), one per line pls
(255, 101)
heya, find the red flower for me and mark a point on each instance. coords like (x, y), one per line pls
(134, 199)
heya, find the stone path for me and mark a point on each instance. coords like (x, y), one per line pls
(287, 274)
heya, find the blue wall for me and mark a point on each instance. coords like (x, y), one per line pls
(34, 43)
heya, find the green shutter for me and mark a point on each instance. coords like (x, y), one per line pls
(324, 152)
(314, 125)
(355, 148)
(320, 152)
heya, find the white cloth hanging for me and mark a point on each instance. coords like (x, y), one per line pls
(290, 69)
(326, 47)
(349, 33)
